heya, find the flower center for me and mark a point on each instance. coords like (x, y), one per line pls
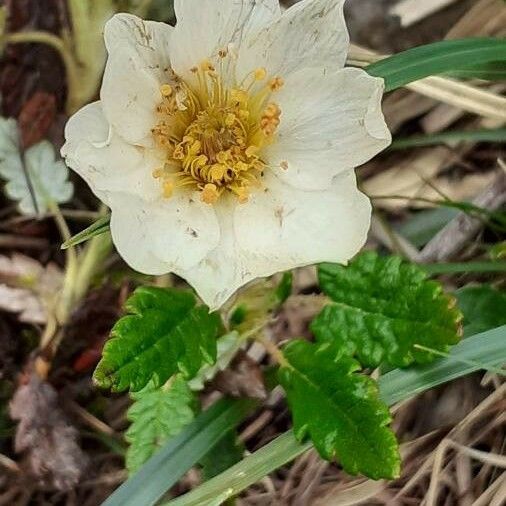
(213, 133)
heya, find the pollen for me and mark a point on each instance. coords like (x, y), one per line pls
(210, 194)
(260, 74)
(214, 129)
(276, 84)
(166, 90)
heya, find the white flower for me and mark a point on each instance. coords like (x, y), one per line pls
(225, 146)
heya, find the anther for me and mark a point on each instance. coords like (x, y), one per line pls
(166, 90)
(260, 74)
(276, 84)
(210, 194)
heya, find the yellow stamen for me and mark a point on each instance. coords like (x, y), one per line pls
(213, 134)
(260, 74)
(207, 66)
(166, 90)
(276, 84)
(157, 173)
(210, 194)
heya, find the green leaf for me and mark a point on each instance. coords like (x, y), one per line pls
(339, 409)
(163, 334)
(99, 227)
(484, 308)
(227, 452)
(168, 466)
(157, 415)
(438, 58)
(36, 178)
(382, 308)
(488, 349)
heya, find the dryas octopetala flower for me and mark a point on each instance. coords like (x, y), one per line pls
(225, 146)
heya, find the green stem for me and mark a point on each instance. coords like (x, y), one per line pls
(95, 253)
(71, 268)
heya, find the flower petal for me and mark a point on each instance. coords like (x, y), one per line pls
(282, 227)
(136, 67)
(206, 26)
(224, 269)
(169, 235)
(330, 122)
(310, 33)
(104, 160)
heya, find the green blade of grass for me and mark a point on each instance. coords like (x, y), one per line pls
(488, 349)
(438, 58)
(489, 71)
(464, 267)
(99, 227)
(483, 135)
(180, 454)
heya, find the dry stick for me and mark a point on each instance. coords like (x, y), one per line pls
(449, 241)
(485, 498)
(490, 458)
(483, 406)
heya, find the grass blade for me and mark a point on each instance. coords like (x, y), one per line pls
(482, 135)
(437, 58)
(464, 267)
(166, 468)
(487, 348)
(99, 227)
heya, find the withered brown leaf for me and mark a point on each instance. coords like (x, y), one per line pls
(45, 436)
(27, 287)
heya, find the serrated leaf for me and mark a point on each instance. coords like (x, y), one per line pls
(382, 307)
(484, 308)
(157, 415)
(163, 334)
(34, 179)
(339, 410)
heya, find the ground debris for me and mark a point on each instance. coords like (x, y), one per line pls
(242, 378)
(454, 236)
(45, 436)
(27, 287)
